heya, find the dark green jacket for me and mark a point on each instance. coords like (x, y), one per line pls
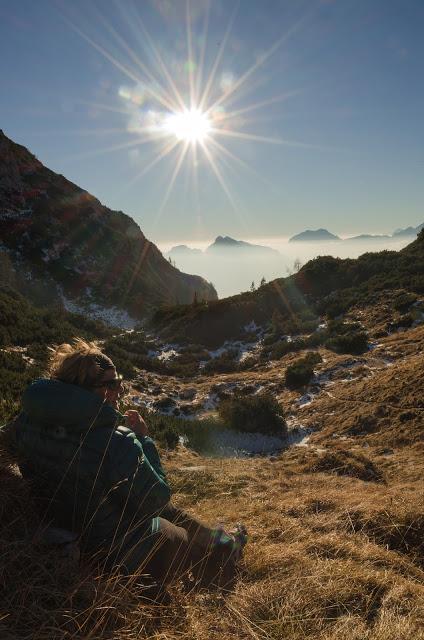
(99, 479)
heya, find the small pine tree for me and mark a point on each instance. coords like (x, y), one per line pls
(297, 265)
(252, 286)
(263, 281)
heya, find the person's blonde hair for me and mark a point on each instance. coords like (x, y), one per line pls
(80, 363)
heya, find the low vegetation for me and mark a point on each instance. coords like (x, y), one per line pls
(300, 372)
(339, 336)
(260, 413)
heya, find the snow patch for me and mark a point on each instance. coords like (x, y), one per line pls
(112, 316)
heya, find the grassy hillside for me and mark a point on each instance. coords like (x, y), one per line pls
(336, 533)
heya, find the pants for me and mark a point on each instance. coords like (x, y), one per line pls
(184, 545)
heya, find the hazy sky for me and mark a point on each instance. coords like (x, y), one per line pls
(336, 138)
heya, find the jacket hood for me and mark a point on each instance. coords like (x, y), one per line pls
(53, 402)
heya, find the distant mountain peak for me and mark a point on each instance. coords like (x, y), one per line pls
(227, 240)
(313, 236)
(226, 243)
(181, 249)
(409, 231)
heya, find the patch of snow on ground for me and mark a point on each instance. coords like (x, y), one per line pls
(168, 352)
(210, 402)
(244, 349)
(252, 327)
(235, 444)
(306, 399)
(112, 316)
(218, 352)
(229, 443)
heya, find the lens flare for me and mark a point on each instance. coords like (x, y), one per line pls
(190, 125)
(182, 98)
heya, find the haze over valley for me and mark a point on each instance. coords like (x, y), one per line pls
(247, 266)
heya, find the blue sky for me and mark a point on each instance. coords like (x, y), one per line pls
(348, 75)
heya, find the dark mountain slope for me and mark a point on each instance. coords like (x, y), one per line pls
(61, 238)
(325, 285)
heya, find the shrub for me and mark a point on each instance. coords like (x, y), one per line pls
(354, 343)
(225, 363)
(404, 321)
(166, 434)
(403, 301)
(301, 371)
(253, 414)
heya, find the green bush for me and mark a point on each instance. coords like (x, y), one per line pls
(354, 343)
(166, 434)
(404, 300)
(253, 414)
(403, 321)
(301, 371)
(225, 363)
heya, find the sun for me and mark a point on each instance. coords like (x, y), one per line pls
(190, 125)
(191, 116)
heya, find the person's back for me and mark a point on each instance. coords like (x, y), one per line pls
(94, 476)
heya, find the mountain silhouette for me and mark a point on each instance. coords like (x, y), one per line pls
(320, 235)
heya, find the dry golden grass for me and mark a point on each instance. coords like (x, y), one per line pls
(334, 551)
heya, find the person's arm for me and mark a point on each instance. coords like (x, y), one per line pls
(137, 424)
(137, 484)
(152, 454)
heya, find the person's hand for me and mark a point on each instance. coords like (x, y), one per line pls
(136, 423)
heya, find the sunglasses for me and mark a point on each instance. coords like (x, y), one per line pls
(114, 383)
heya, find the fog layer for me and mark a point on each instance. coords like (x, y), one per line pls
(233, 270)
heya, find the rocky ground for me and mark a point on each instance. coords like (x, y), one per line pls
(338, 382)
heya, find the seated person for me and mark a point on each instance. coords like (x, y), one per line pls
(99, 474)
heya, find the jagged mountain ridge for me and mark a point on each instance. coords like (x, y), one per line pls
(62, 240)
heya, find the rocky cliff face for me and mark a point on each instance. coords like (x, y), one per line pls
(60, 241)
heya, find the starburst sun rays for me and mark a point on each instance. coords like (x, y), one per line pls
(189, 110)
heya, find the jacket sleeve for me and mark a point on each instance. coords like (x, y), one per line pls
(137, 483)
(151, 453)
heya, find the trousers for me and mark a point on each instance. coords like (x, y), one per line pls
(183, 545)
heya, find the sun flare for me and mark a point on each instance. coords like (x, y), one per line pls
(194, 116)
(190, 125)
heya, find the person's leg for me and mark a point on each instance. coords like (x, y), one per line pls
(169, 557)
(199, 533)
(175, 553)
